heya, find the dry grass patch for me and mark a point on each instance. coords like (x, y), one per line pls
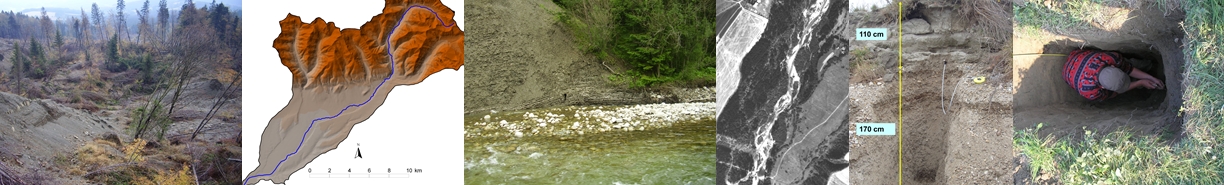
(95, 155)
(862, 65)
(992, 18)
(167, 177)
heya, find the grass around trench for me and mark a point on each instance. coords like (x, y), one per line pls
(1117, 158)
(1031, 17)
(1122, 158)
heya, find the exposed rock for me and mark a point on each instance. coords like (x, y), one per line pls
(75, 76)
(701, 94)
(152, 144)
(592, 119)
(187, 114)
(112, 138)
(215, 85)
(86, 105)
(948, 21)
(916, 26)
(43, 129)
(92, 96)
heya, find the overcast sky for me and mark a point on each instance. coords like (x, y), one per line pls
(865, 4)
(106, 5)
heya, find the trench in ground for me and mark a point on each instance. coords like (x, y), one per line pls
(925, 126)
(1044, 97)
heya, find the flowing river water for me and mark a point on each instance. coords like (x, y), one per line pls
(637, 144)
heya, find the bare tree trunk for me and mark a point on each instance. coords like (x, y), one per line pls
(183, 75)
(151, 108)
(150, 111)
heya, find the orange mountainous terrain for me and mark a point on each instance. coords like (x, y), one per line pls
(340, 77)
(321, 55)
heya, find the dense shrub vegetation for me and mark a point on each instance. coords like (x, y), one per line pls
(661, 42)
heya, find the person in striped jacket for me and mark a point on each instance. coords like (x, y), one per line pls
(1099, 75)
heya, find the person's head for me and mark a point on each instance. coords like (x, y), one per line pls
(1114, 79)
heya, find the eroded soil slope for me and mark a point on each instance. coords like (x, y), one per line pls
(521, 58)
(37, 134)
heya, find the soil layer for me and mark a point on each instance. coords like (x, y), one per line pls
(953, 130)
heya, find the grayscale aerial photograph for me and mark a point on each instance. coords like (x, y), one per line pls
(782, 83)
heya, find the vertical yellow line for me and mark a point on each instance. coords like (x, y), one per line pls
(899, 82)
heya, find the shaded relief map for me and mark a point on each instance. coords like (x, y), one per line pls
(341, 76)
